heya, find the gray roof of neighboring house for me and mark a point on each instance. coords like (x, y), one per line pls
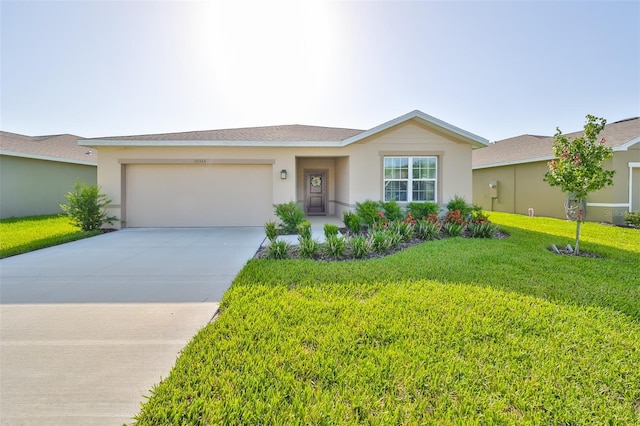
(529, 148)
(294, 132)
(62, 148)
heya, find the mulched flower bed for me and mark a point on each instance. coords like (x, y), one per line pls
(262, 251)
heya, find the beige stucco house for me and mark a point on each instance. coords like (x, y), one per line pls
(507, 176)
(235, 177)
(36, 172)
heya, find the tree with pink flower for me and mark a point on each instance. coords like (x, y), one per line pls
(579, 167)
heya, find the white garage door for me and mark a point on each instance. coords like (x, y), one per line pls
(198, 195)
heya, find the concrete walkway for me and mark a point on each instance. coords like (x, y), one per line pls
(88, 328)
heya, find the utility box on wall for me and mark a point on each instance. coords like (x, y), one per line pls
(493, 189)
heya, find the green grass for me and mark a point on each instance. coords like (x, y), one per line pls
(455, 331)
(24, 234)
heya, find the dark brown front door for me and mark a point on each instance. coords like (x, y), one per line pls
(316, 192)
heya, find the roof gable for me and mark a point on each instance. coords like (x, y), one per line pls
(427, 120)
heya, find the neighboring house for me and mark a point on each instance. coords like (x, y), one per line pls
(37, 172)
(235, 177)
(507, 176)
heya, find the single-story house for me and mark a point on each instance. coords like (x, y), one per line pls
(508, 176)
(235, 177)
(36, 172)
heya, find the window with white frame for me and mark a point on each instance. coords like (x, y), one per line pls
(408, 179)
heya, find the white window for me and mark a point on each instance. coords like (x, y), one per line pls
(409, 179)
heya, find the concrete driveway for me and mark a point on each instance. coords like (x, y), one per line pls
(87, 328)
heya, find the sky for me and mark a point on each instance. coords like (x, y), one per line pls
(494, 68)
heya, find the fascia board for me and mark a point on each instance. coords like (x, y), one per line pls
(625, 146)
(207, 143)
(46, 158)
(514, 162)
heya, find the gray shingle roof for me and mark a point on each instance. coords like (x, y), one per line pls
(293, 132)
(528, 148)
(62, 147)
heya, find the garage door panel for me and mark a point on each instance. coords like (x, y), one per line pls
(198, 195)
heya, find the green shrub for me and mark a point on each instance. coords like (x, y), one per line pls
(404, 229)
(480, 225)
(330, 230)
(352, 222)
(633, 219)
(360, 246)
(381, 241)
(368, 211)
(290, 215)
(86, 207)
(429, 229)
(304, 229)
(422, 210)
(335, 247)
(278, 249)
(483, 229)
(308, 248)
(271, 229)
(392, 210)
(454, 223)
(459, 203)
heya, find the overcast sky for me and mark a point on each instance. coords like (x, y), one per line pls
(497, 69)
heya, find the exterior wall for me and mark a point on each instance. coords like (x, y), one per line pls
(520, 187)
(354, 172)
(31, 187)
(366, 161)
(343, 185)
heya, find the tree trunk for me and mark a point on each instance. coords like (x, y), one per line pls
(577, 248)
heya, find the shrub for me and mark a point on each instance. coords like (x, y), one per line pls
(368, 211)
(290, 215)
(335, 247)
(330, 230)
(271, 229)
(633, 219)
(86, 207)
(380, 221)
(304, 229)
(429, 229)
(459, 203)
(360, 246)
(484, 229)
(380, 241)
(454, 223)
(404, 229)
(422, 210)
(278, 249)
(392, 210)
(352, 222)
(308, 248)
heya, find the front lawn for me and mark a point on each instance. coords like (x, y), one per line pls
(454, 331)
(24, 234)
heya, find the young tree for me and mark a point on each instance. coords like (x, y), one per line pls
(579, 166)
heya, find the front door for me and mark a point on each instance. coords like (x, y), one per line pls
(316, 192)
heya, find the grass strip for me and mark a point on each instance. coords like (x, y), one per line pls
(22, 235)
